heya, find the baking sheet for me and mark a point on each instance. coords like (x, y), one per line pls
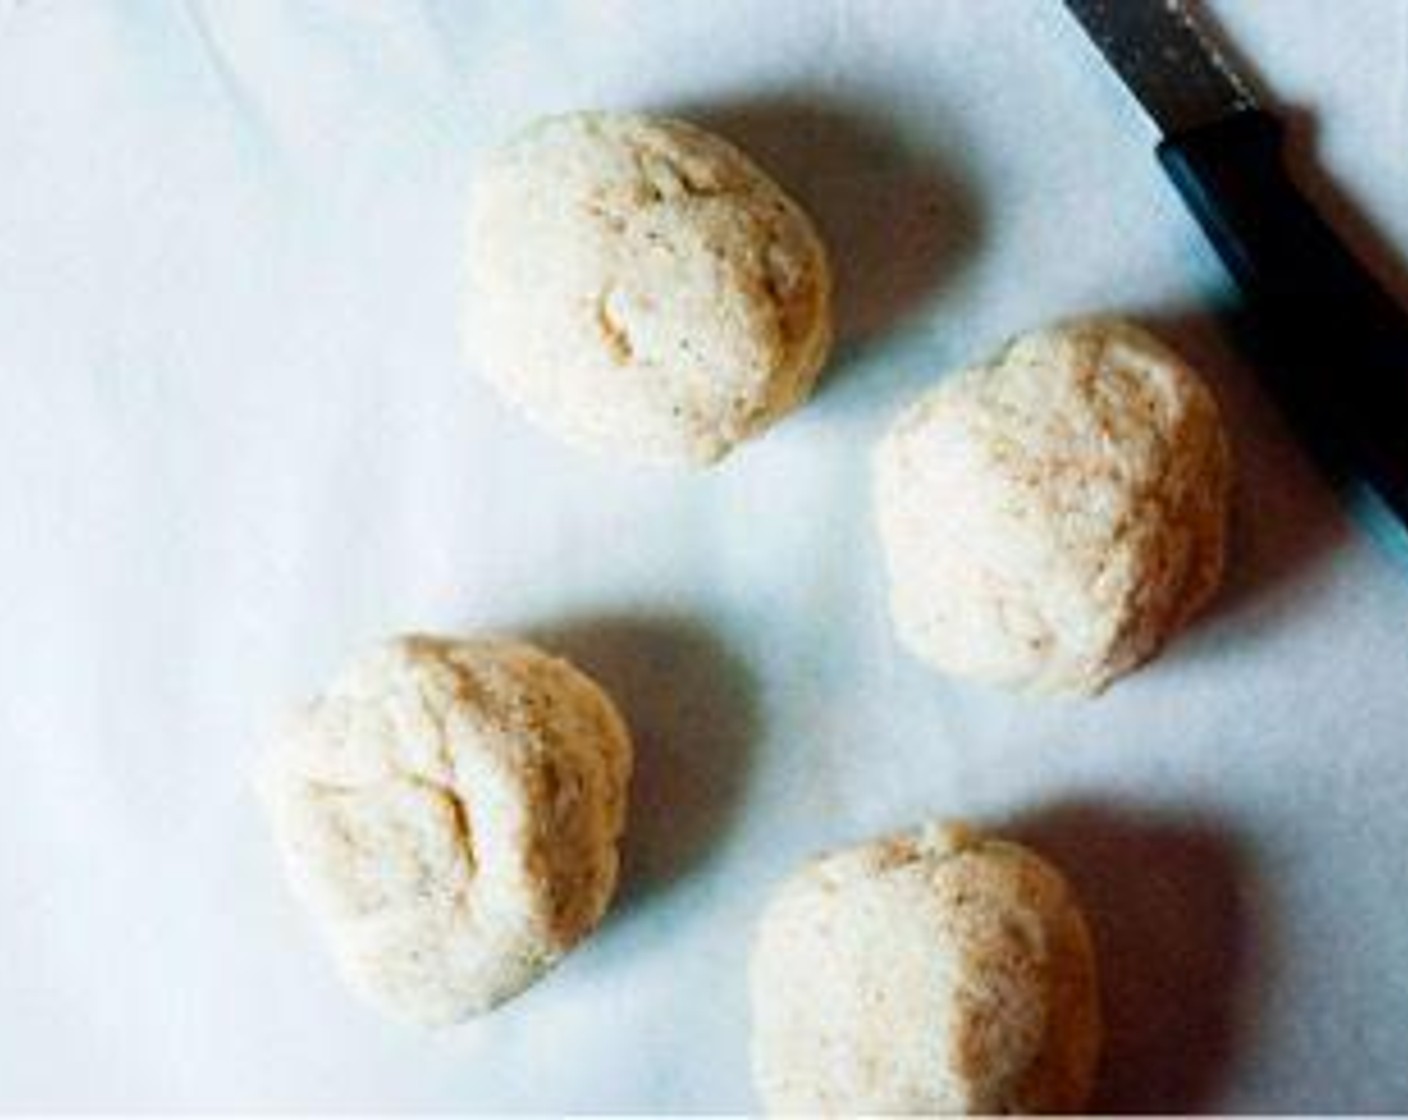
(241, 442)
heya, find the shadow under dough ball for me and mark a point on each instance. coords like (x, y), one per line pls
(1051, 518)
(936, 971)
(449, 812)
(638, 287)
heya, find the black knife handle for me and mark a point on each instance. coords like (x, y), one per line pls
(1335, 341)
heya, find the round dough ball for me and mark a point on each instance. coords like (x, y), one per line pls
(449, 811)
(1051, 518)
(933, 972)
(640, 287)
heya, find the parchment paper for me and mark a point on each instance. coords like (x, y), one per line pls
(240, 442)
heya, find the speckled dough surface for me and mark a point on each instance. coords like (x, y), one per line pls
(639, 287)
(932, 972)
(1051, 518)
(449, 811)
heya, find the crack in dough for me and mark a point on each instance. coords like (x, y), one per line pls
(613, 331)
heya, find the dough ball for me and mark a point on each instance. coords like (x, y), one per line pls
(933, 972)
(640, 287)
(1051, 518)
(449, 811)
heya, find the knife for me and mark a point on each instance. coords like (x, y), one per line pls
(1332, 342)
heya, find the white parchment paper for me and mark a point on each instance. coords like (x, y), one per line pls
(239, 441)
